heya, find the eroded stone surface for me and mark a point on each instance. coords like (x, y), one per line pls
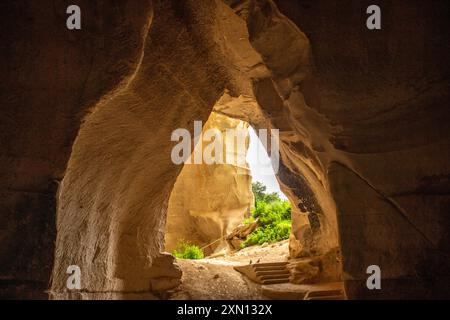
(237, 237)
(209, 200)
(318, 269)
(363, 121)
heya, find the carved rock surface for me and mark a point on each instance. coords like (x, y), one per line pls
(208, 201)
(86, 119)
(318, 269)
(239, 234)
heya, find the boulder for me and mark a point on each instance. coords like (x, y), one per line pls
(239, 234)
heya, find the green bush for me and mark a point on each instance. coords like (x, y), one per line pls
(186, 250)
(274, 216)
(274, 232)
(270, 212)
(249, 220)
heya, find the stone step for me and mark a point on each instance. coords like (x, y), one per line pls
(272, 264)
(274, 276)
(264, 268)
(272, 273)
(266, 273)
(290, 291)
(269, 272)
(336, 294)
(340, 297)
(274, 281)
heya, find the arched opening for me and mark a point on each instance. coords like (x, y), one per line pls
(361, 149)
(209, 200)
(115, 193)
(215, 219)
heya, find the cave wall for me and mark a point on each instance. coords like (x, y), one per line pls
(363, 118)
(385, 95)
(280, 103)
(314, 229)
(209, 200)
(114, 196)
(50, 78)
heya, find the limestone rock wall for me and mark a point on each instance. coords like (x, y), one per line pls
(50, 78)
(363, 118)
(278, 102)
(114, 196)
(384, 96)
(208, 201)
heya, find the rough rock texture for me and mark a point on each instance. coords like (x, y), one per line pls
(208, 201)
(385, 97)
(289, 291)
(50, 78)
(363, 118)
(214, 280)
(318, 269)
(113, 225)
(239, 234)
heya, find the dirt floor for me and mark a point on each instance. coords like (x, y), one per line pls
(215, 278)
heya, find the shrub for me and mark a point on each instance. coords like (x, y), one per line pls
(270, 212)
(274, 232)
(274, 216)
(186, 250)
(249, 220)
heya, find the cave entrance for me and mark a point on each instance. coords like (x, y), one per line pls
(205, 201)
(224, 208)
(243, 216)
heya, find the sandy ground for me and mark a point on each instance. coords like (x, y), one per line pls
(215, 278)
(274, 252)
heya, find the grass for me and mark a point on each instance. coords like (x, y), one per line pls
(186, 250)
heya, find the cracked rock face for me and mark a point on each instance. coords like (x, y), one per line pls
(363, 119)
(385, 96)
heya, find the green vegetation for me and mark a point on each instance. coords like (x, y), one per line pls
(186, 250)
(273, 214)
(259, 191)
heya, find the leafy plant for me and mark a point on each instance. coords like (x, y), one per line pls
(274, 216)
(186, 250)
(275, 232)
(249, 220)
(259, 191)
